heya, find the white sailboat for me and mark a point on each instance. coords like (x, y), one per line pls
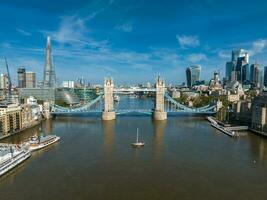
(137, 143)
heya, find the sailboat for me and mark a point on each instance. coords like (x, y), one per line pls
(137, 143)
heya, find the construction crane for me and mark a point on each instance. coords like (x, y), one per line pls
(9, 79)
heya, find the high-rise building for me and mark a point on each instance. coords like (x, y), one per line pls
(245, 73)
(4, 83)
(255, 75)
(192, 75)
(21, 77)
(265, 77)
(240, 53)
(229, 68)
(30, 80)
(49, 70)
(238, 69)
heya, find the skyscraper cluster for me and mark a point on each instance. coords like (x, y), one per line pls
(239, 69)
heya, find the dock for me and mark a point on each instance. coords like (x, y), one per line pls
(223, 129)
(238, 128)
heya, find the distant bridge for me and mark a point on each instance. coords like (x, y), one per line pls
(133, 90)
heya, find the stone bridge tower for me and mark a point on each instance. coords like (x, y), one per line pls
(108, 112)
(159, 112)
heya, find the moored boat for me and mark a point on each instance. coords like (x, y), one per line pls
(137, 143)
(116, 98)
(35, 142)
(11, 156)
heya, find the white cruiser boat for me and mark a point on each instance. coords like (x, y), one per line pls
(137, 143)
(35, 142)
(11, 156)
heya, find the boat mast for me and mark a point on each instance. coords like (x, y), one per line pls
(137, 136)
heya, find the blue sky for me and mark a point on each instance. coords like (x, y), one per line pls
(133, 41)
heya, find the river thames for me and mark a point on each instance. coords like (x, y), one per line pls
(184, 158)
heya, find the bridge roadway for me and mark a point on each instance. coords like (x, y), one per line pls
(132, 90)
(128, 111)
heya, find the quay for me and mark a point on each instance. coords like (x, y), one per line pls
(238, 128)
(33, 124)
(223, 129)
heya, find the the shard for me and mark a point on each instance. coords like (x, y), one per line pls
(49, 70)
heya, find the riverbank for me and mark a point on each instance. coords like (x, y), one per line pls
(215, 123)
(258, 132)
(33, 124)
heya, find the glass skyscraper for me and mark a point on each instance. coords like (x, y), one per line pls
(255, 75)
(192, 75)
(229, 68)
(265, 77)
(238, 69)
(49, 70)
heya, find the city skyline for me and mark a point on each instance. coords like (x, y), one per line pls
(128, 40)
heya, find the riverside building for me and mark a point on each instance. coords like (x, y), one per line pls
(259, 114)
(10, 119)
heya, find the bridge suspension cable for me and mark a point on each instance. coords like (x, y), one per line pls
(85, 107)
(181, 107)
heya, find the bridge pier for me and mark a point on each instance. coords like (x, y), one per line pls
(108, 112)
(159, 113)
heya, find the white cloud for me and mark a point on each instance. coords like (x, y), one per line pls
(23, 32)
(126, 27)
(224, 54)
(196, 57)
(73, 31)
(258, 46)
(186, 41)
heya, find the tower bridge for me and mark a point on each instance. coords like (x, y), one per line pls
(104, 103)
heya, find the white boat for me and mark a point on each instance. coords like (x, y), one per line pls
(11, 156)
(137, 143)
(35, 142)
(116, 98)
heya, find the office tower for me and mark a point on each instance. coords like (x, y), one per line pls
(237, 69)
(245, 73)
(229, 68)
(255, 75)
(265, 77)
(49, 71)
(192, 75)
(240, 53)
(30, 80)
(21, 77)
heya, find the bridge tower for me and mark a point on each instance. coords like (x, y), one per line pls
(159, 113)
(108, 112)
